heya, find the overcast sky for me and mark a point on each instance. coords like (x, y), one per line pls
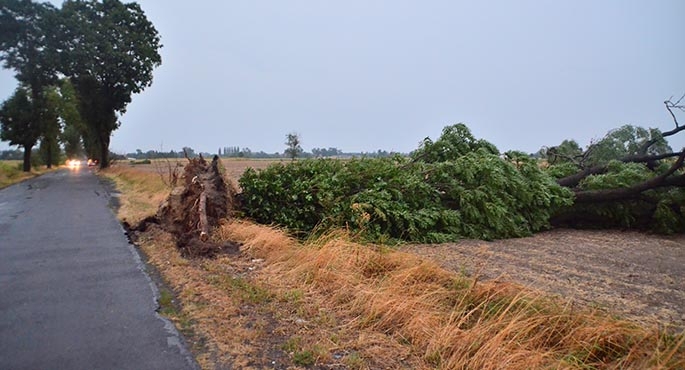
(368, 75)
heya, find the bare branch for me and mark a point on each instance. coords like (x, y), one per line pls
(671, 105)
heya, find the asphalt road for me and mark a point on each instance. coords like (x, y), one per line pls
(73, 292)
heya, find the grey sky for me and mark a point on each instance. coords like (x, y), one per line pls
(368, 75)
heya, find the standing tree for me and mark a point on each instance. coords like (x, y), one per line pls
(293, 148)
(17, 124)
(27, 40)
(112, 51)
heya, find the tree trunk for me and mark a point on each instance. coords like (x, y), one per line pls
(49, 155)
(104, 150)
(631, 192)
(27, 158)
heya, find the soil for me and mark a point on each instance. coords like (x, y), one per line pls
(638, 276)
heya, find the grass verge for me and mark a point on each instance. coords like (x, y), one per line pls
(11, 173)
(334, 302)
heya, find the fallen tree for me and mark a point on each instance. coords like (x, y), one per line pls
(462, 187)
(641, 186)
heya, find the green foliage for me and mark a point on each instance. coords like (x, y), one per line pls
(113, 51)
(74, 126)
(17, 120)
(566, 152)
(293, 147)
(669, 216)
(19, 124)
(619, 175)
(455, 141)
(660, 210)
(476, 194)
(108, 49)
(624, 141)
(27, 41)
(562, 170)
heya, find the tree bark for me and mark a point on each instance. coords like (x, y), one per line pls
(104, 150)
(27, 158)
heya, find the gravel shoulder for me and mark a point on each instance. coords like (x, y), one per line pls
(635, 275)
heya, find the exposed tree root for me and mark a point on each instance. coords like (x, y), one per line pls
(192, 210)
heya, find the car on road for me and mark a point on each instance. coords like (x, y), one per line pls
(73, 163)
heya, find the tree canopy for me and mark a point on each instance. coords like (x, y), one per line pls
(455, 187)
(107, 49)
(113, 49)
(459, 186)
(18, 125)
(293, 148)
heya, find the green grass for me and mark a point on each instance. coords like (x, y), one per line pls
(11, 173)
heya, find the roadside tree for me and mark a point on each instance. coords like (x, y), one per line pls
(27, 46)
(17, 124)
(112, 51)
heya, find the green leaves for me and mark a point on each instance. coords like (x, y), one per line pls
(455, 141)
(17, 123)
(660, 210)
(473, 194)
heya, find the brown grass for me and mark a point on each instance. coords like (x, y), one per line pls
(450, 321)
(143, 192)
(335, 302)
(11, 173)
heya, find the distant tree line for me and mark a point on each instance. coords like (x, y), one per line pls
(244, 152)
(77, 68)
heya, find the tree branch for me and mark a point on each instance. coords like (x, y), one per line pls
(608, 195)
(575, 179)
(669, 104)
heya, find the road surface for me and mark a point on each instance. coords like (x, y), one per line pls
(73, 293)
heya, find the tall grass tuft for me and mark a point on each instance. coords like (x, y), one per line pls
(451, 321)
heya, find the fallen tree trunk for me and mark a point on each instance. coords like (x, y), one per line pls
(611, 195)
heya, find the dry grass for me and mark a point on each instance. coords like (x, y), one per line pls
(11, 173)
(143, 192)
(335, 302)
(449, 321)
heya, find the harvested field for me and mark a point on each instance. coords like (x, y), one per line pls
(234, 166)
(639, 276)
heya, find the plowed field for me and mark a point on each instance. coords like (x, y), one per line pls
(638, 276)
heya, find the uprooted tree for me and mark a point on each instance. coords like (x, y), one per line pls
(455, 187)
(199, 199)
(462, 187)
(630, 178)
